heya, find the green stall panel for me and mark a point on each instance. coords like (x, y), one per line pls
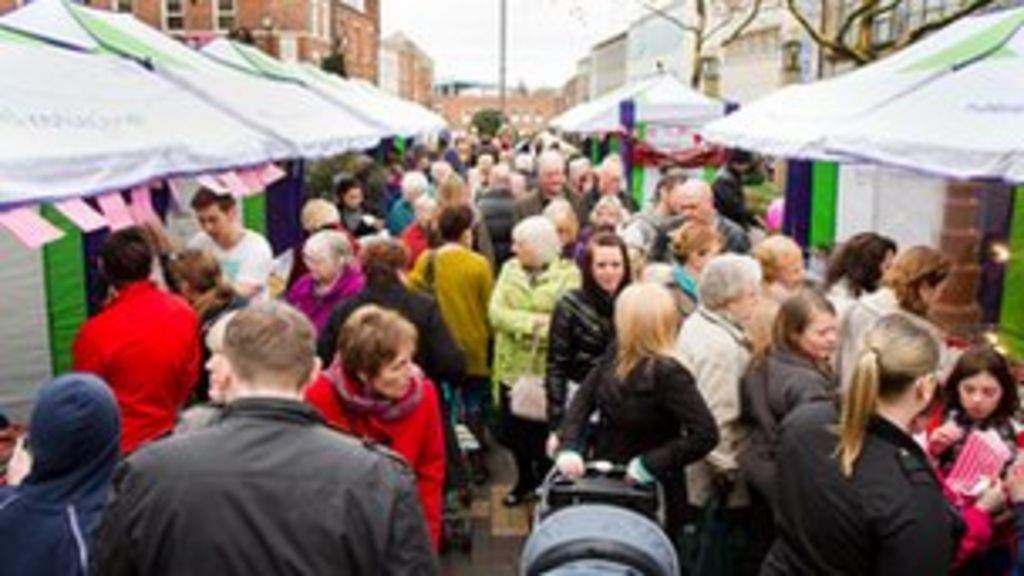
(66, 300)
(824, 197)
(1011, 317)
(254, 213)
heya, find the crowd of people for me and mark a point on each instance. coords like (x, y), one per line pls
(219, 422)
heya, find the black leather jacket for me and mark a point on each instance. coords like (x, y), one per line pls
(266, 490)
(581, 332)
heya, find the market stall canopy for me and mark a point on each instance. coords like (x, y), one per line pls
(74, 124)
(309, 126)
(254, 61)
(662, 99)
(426, 120)
(951, 105)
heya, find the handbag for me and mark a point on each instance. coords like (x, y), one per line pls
(528, 398)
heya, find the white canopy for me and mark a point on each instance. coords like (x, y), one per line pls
(662, 99)
(74, 124)
(310, 126)
(426, 121)
(390, 116)
(951, 104)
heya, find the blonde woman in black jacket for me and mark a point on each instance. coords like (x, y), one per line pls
(861, 498)
(653, 419)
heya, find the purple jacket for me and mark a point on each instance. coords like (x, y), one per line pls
(317, 307)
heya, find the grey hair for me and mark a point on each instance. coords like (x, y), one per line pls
(424, 203)
(578, 166)
(330, 243)
(523, 162)
(539, 233)
(414, 182)
(726, 278)
(550, 159)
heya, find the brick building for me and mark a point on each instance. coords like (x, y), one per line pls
(405, 69)
(357, 28)
(528, 112)
(289, 29)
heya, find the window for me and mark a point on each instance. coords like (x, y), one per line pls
(933, 10)
(174, 15)
(225, 14)
(123, 6)
(883, 32)
(359, 5)
(314, 19)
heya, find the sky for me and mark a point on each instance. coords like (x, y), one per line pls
(545, 37)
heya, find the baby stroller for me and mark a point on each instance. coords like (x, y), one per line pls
(598, 524)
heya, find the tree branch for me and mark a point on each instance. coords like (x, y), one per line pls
(670, 18)
(755, 8)
(966, 10)
(836, 47)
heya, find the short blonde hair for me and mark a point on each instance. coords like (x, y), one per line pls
(771, 253)
(318, 213)
(646, 324)
(608, 201)
(562, 214)
(452, 190)
(539, 233)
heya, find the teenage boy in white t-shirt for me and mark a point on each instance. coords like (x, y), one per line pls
(245, 257)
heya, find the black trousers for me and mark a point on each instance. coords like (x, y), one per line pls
(525, 439)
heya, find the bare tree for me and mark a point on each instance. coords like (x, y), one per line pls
(736, 17)
(852, 37)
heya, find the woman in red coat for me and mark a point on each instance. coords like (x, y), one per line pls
(374, 391)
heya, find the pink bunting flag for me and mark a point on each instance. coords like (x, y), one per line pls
(234, 184)
(213, 184)
(29, 227)
(142, 205)
(251, 178)
(177, 200)
(116, 211)
(81, 214)
(271, 173)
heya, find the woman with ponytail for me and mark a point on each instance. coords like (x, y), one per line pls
(860, 497)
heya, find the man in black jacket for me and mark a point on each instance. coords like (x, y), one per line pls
(730, 200)
(268, 489)
(497, 206)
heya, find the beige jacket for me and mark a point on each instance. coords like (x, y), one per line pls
(716, 351)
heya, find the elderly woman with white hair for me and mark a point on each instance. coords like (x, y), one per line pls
(715, 347)
(333, 276)
(520, 311)
(419, 235)
(403, 213)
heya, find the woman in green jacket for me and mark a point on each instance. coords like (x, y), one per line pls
(520, 311)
